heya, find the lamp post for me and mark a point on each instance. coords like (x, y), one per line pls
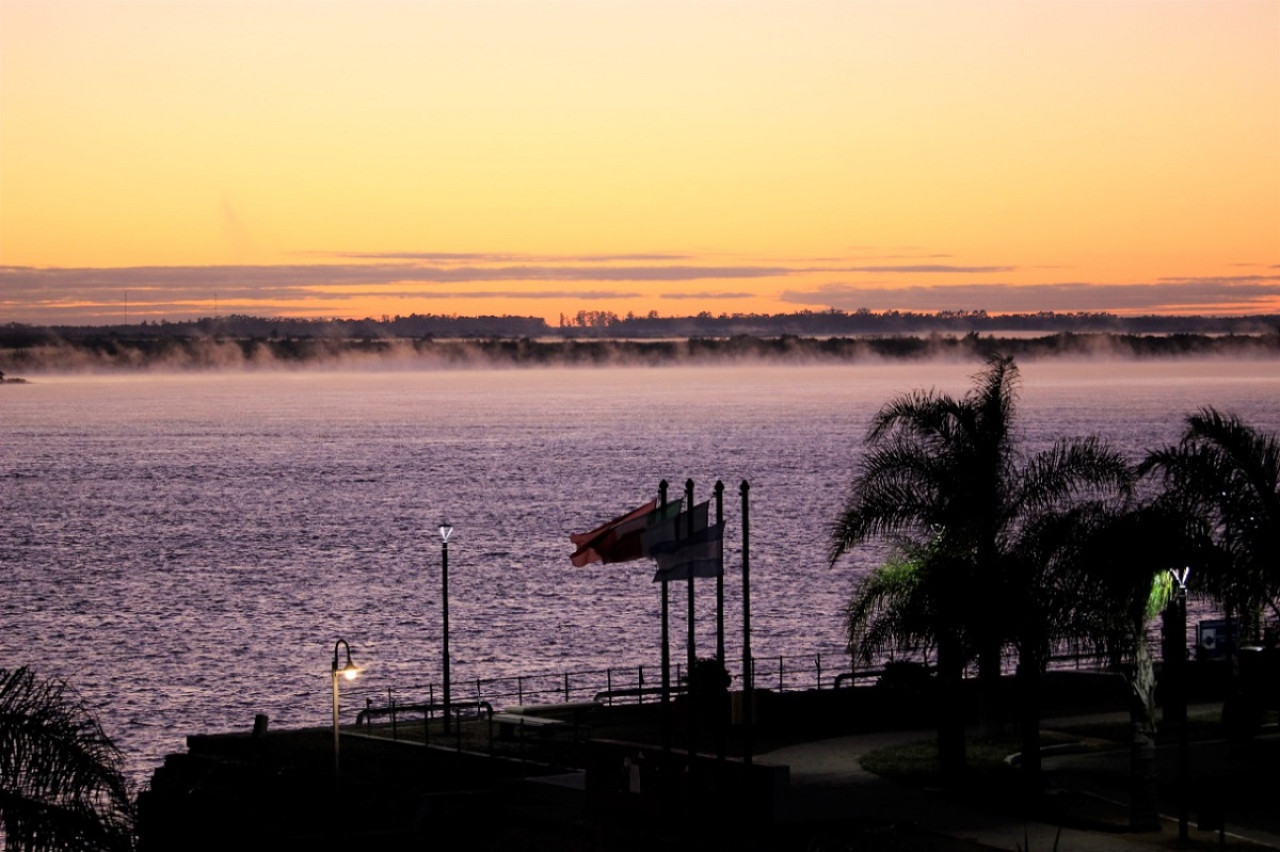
(446, 530)
(1176, 666)
(350, 671)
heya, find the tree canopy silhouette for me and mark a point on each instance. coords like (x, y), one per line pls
(1225, 475)
(944, 482)
(61, 787)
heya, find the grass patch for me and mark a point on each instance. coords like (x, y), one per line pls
(913, 763)
(916, 763)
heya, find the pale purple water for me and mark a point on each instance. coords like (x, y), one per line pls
(185, 549)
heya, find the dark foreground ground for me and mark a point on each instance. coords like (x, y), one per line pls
(588, 783)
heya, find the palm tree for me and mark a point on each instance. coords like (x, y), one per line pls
(943, 481)
(908, 604)
(893, 609)
(61, 787)
(1227, 473)
(1115, 565)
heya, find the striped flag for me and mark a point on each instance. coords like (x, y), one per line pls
(621, 539)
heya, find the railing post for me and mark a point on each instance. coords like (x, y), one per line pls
(640, 685)
(608, 679)
(782, 684)
(818, 660)
(520, 689)
(566, 687)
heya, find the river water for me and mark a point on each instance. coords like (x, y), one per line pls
(185, 549)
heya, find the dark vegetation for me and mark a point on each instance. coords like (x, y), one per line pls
(1002, 552)
(829, 337)
(61, 785)
(606, 324)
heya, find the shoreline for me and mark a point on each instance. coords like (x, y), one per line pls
(112, 353)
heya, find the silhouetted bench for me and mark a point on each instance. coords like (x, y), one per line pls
(637, 692)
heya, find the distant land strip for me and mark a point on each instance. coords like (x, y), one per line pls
(115, 352)
(651, 326)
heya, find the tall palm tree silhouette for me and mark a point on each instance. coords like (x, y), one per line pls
(944, 482)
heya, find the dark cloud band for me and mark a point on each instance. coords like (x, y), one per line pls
(1168, 295)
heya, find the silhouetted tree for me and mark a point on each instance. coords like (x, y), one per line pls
(61, 787)
(943, 481)
(1227, 474)
(1115, 563)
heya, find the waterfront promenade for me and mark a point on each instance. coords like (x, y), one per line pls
(277, 791)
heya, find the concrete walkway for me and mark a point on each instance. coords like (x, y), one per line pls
(828, 782)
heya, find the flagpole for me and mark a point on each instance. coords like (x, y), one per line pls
(720, 579)
(722, 726)
(693, 658)
(691, 719)
(748, 673)
(666, 646)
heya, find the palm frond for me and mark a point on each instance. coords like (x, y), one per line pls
(1228, 473)
(1072, 468)
(61, 786)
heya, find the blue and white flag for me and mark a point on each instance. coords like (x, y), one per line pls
(697, 555)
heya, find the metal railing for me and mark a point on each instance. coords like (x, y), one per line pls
(639, 684)
(411, 710)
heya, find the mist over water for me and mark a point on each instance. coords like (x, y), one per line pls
(185, 549)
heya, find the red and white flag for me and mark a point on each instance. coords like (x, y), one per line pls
(622, 539)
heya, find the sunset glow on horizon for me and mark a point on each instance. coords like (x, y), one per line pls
(531, 157)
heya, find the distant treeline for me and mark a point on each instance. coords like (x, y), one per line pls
(606, 324)
(114, 351)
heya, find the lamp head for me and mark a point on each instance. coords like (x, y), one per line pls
(446, 530)
(348, 669)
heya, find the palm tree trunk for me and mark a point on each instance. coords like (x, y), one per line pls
(1144, 795)
(951, 711)
(990, 690)
(1029, 675)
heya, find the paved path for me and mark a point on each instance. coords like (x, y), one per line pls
(827, 781)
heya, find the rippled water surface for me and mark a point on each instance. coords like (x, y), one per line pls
(186, 549)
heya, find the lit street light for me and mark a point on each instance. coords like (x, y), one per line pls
(350, 671)
(446, 530)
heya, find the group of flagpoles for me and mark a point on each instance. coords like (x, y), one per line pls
(748, 667)
(747, 673)
(628, 537)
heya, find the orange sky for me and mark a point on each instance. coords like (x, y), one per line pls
(312, 158)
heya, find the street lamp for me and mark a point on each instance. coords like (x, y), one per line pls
(446, 530)
(1176, 654)
(350, 671)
